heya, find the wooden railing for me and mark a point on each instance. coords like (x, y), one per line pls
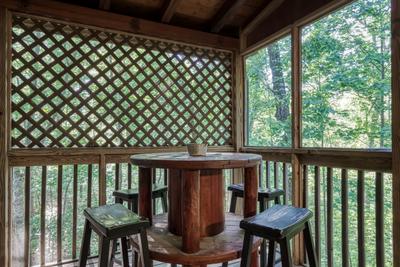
(349, 193)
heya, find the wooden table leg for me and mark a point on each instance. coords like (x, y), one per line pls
(191, 210)
(145, 187)
(250, 200)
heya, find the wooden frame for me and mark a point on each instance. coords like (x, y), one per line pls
(396, 128)
(4, 130)
(372, 159)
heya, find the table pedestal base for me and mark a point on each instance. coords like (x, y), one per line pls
(224, 247)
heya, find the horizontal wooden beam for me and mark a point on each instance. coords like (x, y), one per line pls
(169, 10)
(225, 14)
(268, 10)
(107, 20)
(372, 160)
(57, 156)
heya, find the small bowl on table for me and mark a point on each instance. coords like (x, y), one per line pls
(197, 150)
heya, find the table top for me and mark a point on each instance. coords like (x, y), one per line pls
(182, 160)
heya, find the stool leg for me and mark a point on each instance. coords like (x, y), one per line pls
(135, 205)
(225, 264)
(232, 207)
(246, 250)
(277, 200)
(87, 231)
(104, 251)
(312, 257)
(124, 251)
(286, 255)
(144, 249)
(154, 200)
(263, 247)
(271, 253)
(164, 202)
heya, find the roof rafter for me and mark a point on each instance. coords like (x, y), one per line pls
(267, 11)
(169, 10)
(105, 4)
(225, 14)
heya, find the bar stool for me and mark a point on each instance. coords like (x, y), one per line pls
(112, 222)
(278, 224)
(131, 196)
(263, 195)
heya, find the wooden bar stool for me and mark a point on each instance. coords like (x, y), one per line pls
(112, 222)
(263, 195)
(131, 196)
(278, 224)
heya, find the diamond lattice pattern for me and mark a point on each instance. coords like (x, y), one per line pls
(75, 86)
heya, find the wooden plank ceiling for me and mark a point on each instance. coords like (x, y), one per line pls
(224, 17)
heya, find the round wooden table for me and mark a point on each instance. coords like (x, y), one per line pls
(196, 192)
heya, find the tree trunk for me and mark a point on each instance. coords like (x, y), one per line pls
(278, 83)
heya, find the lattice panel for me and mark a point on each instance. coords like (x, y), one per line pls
(75, 86)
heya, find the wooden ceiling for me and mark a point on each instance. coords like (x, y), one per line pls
(224, 17)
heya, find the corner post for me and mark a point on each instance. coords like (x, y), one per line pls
(4, 135)
(396, 128)
(298, 184)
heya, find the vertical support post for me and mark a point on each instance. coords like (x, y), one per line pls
(43, 217)
(298, 183)
(250, 200)
(379, 217)
(4, 135)
(74, 210)
(329, 204)
(238, 95)
(361, 218)
(102, 180)
(59, 213)
(345, 219)
(27, 217)
(396, 129)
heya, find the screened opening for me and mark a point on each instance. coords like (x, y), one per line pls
(346, 78)
(268, 83)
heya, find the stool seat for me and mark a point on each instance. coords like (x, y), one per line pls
(277, 222)
(115, 220)
(112, 222)
(262, 192)
(133, 193)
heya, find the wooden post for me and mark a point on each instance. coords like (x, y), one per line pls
(297, 189)
(250, 200)
(4, 136)
(396, 128)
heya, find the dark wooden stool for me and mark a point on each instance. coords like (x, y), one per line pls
(278, 224)
(263, 195)
(131, 196)
(112, 222)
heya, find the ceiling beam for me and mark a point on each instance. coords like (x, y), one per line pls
(265, 13)
(169, 10)
(225, 14)
(105, 4)
(121, 23)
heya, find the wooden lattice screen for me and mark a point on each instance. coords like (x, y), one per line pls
(77, 86)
